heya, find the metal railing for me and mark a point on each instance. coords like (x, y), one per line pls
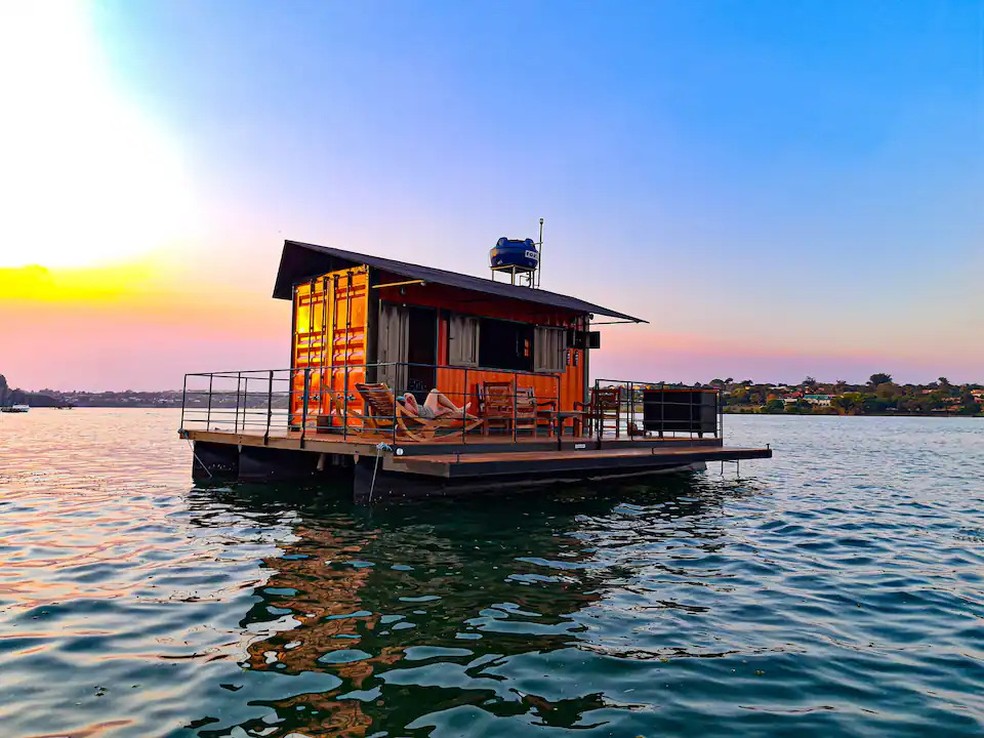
(661, 409)
(327, 400)
(323, 401)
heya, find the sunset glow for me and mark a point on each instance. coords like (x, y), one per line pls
(87, 177)
(780, 193)
(93, 284)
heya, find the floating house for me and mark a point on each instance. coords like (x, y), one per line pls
(412, 380)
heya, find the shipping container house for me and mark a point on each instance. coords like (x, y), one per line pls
(359, 318)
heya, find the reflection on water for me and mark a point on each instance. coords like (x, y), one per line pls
(837, 590)
(416, 611)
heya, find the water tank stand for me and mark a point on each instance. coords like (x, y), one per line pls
(512, 271)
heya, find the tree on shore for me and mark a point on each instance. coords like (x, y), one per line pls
(799, 407)
(888, 391)
(880, 395)
(879, 378)
(775, 405)
(849, 403)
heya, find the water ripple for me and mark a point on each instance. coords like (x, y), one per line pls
(837, 590)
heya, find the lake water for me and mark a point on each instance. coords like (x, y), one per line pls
(835, 590)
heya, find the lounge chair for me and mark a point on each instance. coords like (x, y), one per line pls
(386, 416)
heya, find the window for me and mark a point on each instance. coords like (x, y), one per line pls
(463, 341)
(503, 344)
(549, 347)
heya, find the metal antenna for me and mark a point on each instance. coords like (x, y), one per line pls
(539, 267)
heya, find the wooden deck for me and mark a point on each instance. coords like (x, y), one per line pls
(387, 469)
(363, 443)
(606, 459)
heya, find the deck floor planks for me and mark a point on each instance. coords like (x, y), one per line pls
(503, 460)
(478, 458)
(512, 459)
(513, 462)
(471, 437)
(319, 441)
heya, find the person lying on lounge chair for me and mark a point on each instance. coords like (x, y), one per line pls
(437, 405)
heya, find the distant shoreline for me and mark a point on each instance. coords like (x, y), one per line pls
(727, 411)
(879, 397)
(940, 414)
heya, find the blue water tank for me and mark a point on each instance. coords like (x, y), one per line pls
(514, 253)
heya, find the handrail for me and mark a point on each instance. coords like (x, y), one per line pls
(667, 385)
(691, 425)
(327, 367)
(184, 392)
(323, 399)
(305, 403)
(266, 433)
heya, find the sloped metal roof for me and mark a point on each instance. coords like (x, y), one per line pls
(302, 261)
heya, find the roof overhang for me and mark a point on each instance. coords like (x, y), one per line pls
(302, 261)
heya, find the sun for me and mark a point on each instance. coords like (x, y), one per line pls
(87, 178)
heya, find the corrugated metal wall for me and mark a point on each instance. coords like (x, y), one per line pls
(331, 329)
(571, 388)
(330, 332)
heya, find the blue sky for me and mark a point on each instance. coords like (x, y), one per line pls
(782, 188)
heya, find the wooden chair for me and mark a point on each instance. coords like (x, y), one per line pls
(336, 419)
(326, 421)
(500, 405)
(604, 411)
(385, 415)
(543, 410)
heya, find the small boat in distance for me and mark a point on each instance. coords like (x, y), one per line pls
(15, 409)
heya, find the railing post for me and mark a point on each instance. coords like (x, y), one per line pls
(266, 434)
(345, 394)
(245, 401)
(629, 406)
(396, 373)
(690, 412)
(599, 422)
(720, 415)
(208, 411)
(464, 401)
(662, 408)
(235, 420)
(594, 409)
(304, 410)
(184, 395)
(556, 421)
(515, 391)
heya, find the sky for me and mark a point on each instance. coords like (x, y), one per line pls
(781, 189)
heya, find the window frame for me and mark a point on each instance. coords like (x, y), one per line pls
(549, 342)
(459, 325)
